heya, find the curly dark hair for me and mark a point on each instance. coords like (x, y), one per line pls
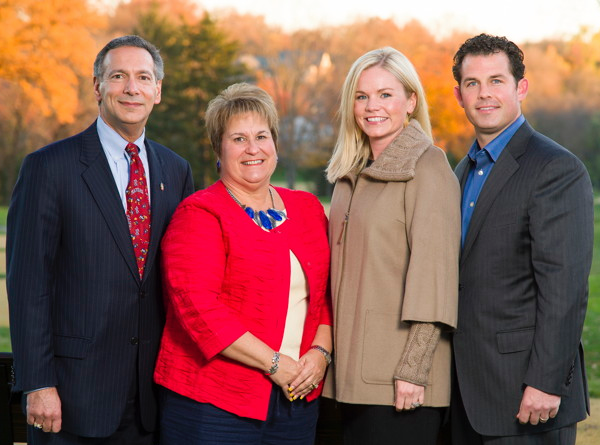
(485, 44)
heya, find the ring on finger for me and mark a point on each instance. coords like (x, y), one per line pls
(543, 420)
(314, 385)
(415, 405)
(37, 425)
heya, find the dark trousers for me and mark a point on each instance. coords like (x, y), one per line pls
(185, 421)
(381, 425)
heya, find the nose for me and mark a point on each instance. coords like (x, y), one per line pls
(131, 86)
(484, 91)
(372, 104)
(252, 147)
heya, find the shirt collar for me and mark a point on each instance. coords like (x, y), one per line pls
(113, 143)
(495, 147)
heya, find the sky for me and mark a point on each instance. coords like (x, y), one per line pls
(519, 20)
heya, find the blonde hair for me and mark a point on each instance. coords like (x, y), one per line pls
(239, 98)
(352, 148)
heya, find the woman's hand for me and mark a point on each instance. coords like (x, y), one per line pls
(313, 366)
(408, 396)
(287, 372)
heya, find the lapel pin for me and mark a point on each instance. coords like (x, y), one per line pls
(162, 187)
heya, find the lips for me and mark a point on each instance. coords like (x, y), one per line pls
(130, 104)
(487, 108)
(254, 162)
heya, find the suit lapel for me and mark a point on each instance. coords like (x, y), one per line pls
(157, 203)
(101, 183)
(505, 167)
(461, 171)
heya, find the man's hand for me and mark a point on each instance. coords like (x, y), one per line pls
(43, 408)
(537, 406)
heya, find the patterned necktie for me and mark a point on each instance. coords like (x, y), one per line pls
(138, 207)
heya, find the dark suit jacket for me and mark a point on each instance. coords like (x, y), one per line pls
(523, 286)
(80, 317)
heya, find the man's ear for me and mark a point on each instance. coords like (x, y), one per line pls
(458, 95)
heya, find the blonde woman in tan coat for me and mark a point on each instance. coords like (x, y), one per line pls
(395, 239)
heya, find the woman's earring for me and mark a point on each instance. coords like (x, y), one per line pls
(218, 164)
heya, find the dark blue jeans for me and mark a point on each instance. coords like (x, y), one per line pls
(185, 421)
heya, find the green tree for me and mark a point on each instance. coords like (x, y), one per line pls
(199, 62)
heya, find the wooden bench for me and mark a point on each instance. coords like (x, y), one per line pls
(13, 426)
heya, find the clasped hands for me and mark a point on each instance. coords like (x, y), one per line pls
(297, 378)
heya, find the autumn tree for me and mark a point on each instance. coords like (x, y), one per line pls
(42, 73)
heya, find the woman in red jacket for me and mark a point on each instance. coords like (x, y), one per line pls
(248, 331)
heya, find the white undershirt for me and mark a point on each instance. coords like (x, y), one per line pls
(297, 309)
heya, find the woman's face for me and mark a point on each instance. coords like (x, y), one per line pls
(248, 155)
(381, 105)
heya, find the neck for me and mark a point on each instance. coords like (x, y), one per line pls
(128, 132)
(258, 199)
(379, 145)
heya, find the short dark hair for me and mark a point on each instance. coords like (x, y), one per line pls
(137, 42)
(485, 44)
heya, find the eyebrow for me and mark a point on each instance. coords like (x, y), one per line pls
(493, 76)
(379, 90)
(240, 133)
(120, 70)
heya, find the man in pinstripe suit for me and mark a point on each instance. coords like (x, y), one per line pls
(85, 318)
(527, 221)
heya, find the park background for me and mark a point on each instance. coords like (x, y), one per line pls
(300, 52)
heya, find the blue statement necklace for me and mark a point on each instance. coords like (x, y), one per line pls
(264, 219)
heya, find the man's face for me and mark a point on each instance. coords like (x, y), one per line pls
(128, 90)
(489, 94)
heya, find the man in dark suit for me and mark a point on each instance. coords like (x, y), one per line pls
(83, 277)
(527, 222)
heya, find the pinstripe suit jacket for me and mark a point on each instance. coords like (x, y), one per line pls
(523, 286)
(81, 319)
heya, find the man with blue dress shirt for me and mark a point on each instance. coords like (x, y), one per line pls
(527, 236)
(83, 277)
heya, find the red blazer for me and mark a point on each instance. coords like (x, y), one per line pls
(224, 276)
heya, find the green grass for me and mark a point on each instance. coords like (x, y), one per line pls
(3, 214)
(4, 339)
(591, 328)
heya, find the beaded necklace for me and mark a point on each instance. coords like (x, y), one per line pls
(265, 220)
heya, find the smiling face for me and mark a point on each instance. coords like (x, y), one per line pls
(128, 90)
(489, 94)
(248, 154)
(381, 106)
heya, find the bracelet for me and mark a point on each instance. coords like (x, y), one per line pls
(323, 351)
(275, 366)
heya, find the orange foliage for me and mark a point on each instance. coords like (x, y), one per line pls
(47, 47)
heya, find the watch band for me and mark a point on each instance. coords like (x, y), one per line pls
(323, 351)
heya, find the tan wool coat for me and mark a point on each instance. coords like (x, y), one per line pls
(395, 239)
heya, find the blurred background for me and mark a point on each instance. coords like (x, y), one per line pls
(300, 52)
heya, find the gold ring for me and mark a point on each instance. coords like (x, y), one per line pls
(37, 425)
(544, 420)
(314, 386)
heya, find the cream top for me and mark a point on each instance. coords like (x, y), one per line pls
(297, 309)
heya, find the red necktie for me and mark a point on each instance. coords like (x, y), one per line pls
(138, 207)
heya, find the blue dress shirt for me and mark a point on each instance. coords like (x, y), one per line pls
(482, 161)
(118, 159)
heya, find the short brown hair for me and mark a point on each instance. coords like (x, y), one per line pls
(239, 98)
(485, 45)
